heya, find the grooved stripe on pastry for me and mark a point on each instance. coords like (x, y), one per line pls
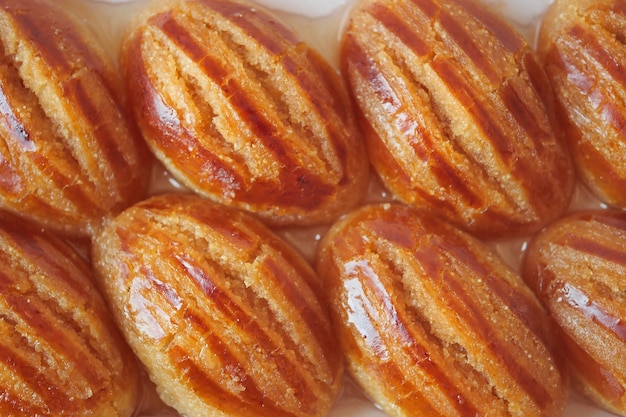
(63, 128)
(441, 66)
(281, 147)
(438, 259)
(47, 331)
(584, 54)
(391, 323)
(78, 69)
(217, 261)
(329, 116)
(455, 298)
(27, 376)
(418, 66)
(418, 136)
(229, 307)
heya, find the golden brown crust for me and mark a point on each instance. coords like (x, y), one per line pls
(227, 319)
(582, 47)
(434, 323)
(243, 112)
(69, 154)
(60, 352)
(577, 268)
(459, 113)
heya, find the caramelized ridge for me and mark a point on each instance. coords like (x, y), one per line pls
(297, 187)
(107, 135)
(261, 256)
(182, 83)
(33, 150)
(506, 153)
(25, 378)
(604, 251)
(443, 265)
(38, 321)
(428, 359)
(83, 161)
(171, 133)
(453, 32)
(522, 304)
(500, 28)
(59, 318)
(254, 398)
(592, 156)
(474, 318)
(421, 140)
(232, 309)
(607, 93)
(588, 369)
(260, 268)
(299, 92)
(265, 94)
(487, 121)
(370, 313)
(58, 99)
(600, 49)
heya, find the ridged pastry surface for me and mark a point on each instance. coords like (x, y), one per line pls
(69, 154)
(242, 111)
(458, 112)
(582, 47)
(433, 323)
(577, 268)
(227, 319)
(60, 352)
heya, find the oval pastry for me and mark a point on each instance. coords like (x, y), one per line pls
(577, 268)
(582, 47)
(227, 318)
(69, 153)
(458, 114)
(243, 112)
(60, 352)
(433, 323)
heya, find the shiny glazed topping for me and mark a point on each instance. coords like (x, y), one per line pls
(226, 318)
(582, 45)
(60, 352)
(69, 154)
(110, 20)
(459, 114)
(242, 111)
(577, 266)
(434, 323)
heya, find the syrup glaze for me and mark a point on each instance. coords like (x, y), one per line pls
(319, 22)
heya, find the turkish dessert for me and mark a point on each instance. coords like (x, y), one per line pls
(577, 268)
(60, 352)
(434, 323)
(69, 153)
(243, 112)
(226, 317)
(458, 114)
(581, 44)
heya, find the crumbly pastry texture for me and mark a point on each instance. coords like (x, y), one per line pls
(581, 45)
(69, 154)
(227, 319)
(243, 112)
(458, 113)
(60, 352)
(577, 267)
(433, 322)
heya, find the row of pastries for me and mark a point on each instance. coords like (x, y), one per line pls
(477, 135)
